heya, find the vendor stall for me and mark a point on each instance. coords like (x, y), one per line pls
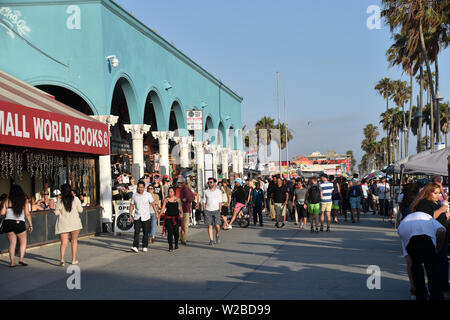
(44, 144)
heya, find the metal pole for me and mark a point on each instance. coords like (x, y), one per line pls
(286, 129)
(279, 125)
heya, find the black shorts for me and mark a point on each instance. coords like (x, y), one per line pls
(14, 226)
(301, 211)
(224, 211)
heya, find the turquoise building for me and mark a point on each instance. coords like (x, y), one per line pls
(96, 57)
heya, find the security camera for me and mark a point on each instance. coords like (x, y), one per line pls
(113, 60)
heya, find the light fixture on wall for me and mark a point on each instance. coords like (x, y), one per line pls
(204, 104)
(113, 60)
(227, 117)
(167, 85)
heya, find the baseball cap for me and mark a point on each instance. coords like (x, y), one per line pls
(238, 180)
(181, 179)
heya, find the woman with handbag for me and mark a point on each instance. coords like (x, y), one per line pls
(68, 221)
(15, 209)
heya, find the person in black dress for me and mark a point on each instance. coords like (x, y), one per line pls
(173, 213)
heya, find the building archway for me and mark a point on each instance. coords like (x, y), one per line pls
(121, 145)
(68, 97)
(211, 132)
(177, 124)
(222, 136)
(231, 138)
(153, 116)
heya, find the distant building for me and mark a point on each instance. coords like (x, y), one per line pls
(317, 163)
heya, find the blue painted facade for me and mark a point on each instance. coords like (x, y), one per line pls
(65, 43)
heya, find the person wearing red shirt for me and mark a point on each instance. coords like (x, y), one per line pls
(186, 196)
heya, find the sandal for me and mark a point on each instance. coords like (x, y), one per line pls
(61, 263)
(23, 263)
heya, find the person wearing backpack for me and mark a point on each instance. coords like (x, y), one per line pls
(336, 198)
(313, 199)
(355, 193)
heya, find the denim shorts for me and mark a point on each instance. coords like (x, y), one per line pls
(355, 202)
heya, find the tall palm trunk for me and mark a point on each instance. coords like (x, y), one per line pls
(430, 78)
(437, 111)
(403, 130)
(420, 104)
(410, 110)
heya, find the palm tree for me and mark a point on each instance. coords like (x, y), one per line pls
(350, 155)
(384, 88)
(283, 135)
(397, 54)
(418, 19)
(401, 96)
(444, 118)
(268, 124)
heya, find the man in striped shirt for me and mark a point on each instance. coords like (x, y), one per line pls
(327, 201)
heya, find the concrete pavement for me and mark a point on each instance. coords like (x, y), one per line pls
(253, 263)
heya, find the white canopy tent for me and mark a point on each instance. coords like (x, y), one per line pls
(430, 162)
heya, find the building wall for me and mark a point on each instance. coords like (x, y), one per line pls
(65, 43)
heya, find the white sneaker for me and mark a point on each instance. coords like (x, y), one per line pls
(230, 227)
(135, 249)
(144, 249)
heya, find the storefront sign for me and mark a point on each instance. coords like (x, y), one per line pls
(194, 119)
(29, 127)
(123, 223)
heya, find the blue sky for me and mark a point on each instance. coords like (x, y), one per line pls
(328, 60)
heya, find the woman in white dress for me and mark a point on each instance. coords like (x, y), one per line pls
(68, 221)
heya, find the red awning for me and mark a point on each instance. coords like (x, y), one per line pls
(29, 117)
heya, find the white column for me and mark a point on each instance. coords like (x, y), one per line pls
(199, 147)
(241, 155)
(137, 135)
(163, 139)
(234, 154)
(104, 166)
(224, 157)
(213, 149)
(185, 148)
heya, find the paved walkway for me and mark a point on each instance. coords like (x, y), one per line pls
(253, 263)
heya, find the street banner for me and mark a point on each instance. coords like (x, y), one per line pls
(123, 223)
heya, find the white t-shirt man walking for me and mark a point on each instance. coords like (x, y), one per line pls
(212, 202)
(140, 204)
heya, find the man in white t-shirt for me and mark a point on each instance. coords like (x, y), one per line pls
(212, 202)
(422, 238)
(140, 204)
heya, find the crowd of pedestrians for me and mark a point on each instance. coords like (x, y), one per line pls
(174, 205)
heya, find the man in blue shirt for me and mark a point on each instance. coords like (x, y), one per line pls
(256, 198)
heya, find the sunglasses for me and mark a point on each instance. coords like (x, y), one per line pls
(46, 194)
(150, 189)
(211, 182)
